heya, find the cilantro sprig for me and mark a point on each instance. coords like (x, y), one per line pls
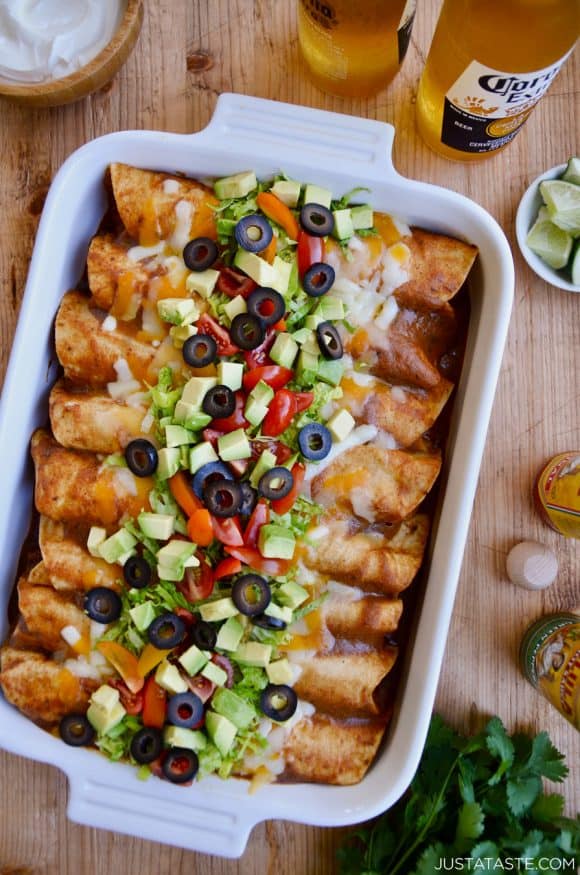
(479, 798)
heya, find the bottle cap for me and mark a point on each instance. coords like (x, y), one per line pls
(531, 565)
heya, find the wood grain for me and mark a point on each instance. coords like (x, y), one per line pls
(187, 54)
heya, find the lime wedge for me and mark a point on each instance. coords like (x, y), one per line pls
(575, 265)
(563, 202)
(551, 243)
(572, 171)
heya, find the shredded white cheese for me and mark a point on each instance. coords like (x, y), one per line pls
(71, 635)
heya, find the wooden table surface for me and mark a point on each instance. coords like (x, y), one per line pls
(188, 53)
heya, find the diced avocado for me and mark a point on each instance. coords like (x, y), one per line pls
(262, 393)
(168, 462)
(105, 710)
(234, 445)
(178, 311)
(196, 389)
(237, 185)
(313, 320)
(195, 419)
(183, 410)
(215, 674)
(230, 635)
(314, 194)
(142, 615)
(362, 217)
(288, 190)
(343, 227)
(255, 412)
(310, 344)
(279, 612)
(200, 455)
(254, 653)
(276, 542)
(193, 659)
(292, 594)
(259, 270)
(203, 282)
(221, 731)
(301, 335)
(123, 558)
(330, 371)
(290, 462)
(175, 553)
(330, 307)
(284, 350)
(234, 307)
(282, 271)
(307, 367)
(280, 672)
(230, 374)
(168, 677)
(232, 706)
(218, 610)
(181, 333)
(340, 425)
(97, 536)
(266, 461)
(178, 736)
(177, 435)
(157, 525)
(118, 544)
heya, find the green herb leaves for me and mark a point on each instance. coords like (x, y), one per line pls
(477, 801)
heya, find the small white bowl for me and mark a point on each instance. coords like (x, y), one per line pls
(525, 218)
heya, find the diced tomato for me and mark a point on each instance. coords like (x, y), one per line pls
(310, 250)
(273, 375)
(283, 408)
(125, 662)
(154, 704)
(131, 702)
(226, 568)
(183, 493)
(206, 324)
(283, 505)
(238, 466)
(225, 663)
(260, 517)
(236, 419)
(252, 557)
(280, 325)
(211, 435)
(228, 530)
(202, 687)
(303, 400)
(280, 450)
(198, 582)
(260, 356)
(187, 617)
(232, 283)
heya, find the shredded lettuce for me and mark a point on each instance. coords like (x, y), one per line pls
(117, 742)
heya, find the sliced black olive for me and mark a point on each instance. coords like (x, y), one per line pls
(278, 701)
(251, 594)
(180, 765)
(141, 457)
(204, 635)
(219, 402)
(315, 441)
(267, 305)
(166, 631)
(211, 471)
(199, 351)
(146, 745)
(249, 498)
(318, 279)
(76, 730)
(329, 341)
(222, 497)
(253, 233)
(137, 572)
(199, 254)
(184, 709)
(316, 220)
(276, 483)
(266, 622)
(103, 605)
(247, 331)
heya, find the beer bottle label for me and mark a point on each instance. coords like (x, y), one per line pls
(485, 108)
(405, 28)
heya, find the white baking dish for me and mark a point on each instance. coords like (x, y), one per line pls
(338, 152)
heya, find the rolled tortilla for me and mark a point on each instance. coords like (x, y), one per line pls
(377, 484)
(326, 751)
(366, 619)
(156, 206)
(91, 420)
(73, 486)
(46, 613)
(439, 266)
(68, 563)
(117, 283)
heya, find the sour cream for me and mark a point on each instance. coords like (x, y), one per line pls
(49, 39)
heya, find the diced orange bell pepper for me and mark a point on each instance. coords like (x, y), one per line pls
(269, 253)
(199, 527)
(276, 210)
(184, 494)
(150, 658)
(124, 662)
(154, 704)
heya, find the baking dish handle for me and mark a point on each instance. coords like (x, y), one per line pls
(293, 133)
(143, 812)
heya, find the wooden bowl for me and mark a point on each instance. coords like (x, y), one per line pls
(89, 78)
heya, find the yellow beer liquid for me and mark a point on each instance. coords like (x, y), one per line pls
(512, 36)
(351, 47)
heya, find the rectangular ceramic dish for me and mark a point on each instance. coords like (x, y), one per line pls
(338, 152)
